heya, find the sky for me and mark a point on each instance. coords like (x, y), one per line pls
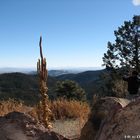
(75, 32)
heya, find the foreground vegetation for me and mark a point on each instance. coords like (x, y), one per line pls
(61, 109)
(69, 117)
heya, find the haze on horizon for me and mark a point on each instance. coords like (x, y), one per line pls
(75, 32)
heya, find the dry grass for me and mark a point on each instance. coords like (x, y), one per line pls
(70, 116)
(61, 109)
(64, 109)
(12, 105)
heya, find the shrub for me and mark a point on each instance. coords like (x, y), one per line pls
(65, 109)
(61, 109)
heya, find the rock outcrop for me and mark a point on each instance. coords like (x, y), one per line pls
(101, 110)
(18, 126)
(123, 124)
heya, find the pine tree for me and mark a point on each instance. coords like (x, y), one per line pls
(125, 52)
(70, 90)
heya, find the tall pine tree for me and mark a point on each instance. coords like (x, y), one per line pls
(125, 52)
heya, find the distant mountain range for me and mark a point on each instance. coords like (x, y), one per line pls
(51, 72)
(25, 86)
(11, 70)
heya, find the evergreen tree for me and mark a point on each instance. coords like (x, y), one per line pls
(125, 52)
(70, 90)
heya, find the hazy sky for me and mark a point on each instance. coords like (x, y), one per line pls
(75, 32)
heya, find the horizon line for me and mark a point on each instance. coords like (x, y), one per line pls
(53, 68)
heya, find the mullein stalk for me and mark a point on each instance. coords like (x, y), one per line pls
(45, 112)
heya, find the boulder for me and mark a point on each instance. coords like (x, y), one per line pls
(101, 109)
(123, 124)
(18, 126)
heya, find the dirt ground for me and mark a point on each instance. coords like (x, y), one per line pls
(68, 128)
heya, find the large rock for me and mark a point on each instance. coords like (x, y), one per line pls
(18, 126)
(100, 111)
(122, 124)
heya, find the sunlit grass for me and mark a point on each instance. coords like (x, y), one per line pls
(61, 109)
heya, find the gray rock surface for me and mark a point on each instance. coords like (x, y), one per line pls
(123, 124)
(101, 110)
(18, 126)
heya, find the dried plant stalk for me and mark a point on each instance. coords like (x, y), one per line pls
(44, 112)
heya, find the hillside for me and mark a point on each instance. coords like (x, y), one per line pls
(89, 80)
(25, 86)
(83, 77)
(21, 86)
